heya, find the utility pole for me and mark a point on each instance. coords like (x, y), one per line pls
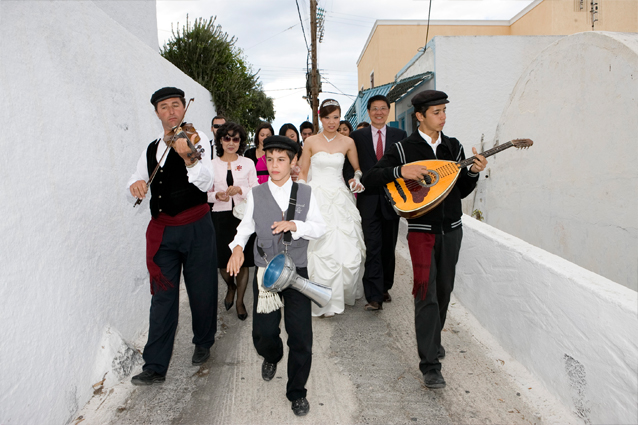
(314, 78)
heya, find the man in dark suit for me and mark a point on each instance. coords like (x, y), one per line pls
(379, 221)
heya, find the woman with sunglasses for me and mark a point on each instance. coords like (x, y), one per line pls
(257, 153)
(235, 175)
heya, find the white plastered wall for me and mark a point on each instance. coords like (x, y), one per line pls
(139, 17)
(72, 253)
(573, 329)
(574, 192)
(478, 73)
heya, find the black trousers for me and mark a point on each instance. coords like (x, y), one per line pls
(430, 313)
(191, 246)
(380, 236)
(298, 322)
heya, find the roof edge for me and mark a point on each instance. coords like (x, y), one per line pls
(525, 10)
(459, 22)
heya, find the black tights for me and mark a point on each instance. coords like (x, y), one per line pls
(242, 283)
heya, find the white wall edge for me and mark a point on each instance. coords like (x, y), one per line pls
(573, 329)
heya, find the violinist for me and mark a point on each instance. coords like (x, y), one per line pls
(180, 235)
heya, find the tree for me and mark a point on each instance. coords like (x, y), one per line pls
(208, 55)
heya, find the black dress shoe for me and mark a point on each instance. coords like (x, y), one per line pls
(148, 377)
(386, 297)
(200, 355)
(242, 316)
(441, 354)
(268, 370)
(229, 304)
(300, 406)
(434, 379)
(373, 306)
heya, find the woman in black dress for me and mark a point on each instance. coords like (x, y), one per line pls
(235, 175)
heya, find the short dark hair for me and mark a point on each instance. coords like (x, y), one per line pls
(423, 108)
(378, 97)
(291, 154)
(347, 124)
(284, 129)
(237, 130)
(261, 127)
(306, 124)
(181, 98)
(217, 117)
(363, 124)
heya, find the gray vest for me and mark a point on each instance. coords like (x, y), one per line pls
(266, 212)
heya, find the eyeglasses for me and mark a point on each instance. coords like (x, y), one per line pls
(217, 125)
(228, 139)
(382, 109)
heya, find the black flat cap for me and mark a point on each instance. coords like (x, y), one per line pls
(281, 142)
(430, 98)
(166, 93)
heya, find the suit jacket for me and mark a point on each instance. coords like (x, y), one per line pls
(367, 201)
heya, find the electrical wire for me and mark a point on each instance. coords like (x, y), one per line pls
(427, 32)
(302, 28)
(342, 92)
(263, 41)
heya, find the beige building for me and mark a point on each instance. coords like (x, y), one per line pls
(392, 43)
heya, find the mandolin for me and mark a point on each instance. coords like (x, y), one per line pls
(413, 198)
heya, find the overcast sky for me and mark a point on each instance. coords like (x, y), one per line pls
(271, 37)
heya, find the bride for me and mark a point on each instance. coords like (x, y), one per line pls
(336, 259)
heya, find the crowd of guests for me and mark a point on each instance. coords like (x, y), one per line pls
(320, 193)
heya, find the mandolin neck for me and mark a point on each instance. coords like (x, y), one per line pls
(497, 149)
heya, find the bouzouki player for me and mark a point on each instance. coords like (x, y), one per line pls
(434, 239)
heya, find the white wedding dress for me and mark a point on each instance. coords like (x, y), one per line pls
(337, 258)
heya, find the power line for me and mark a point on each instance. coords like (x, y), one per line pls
(427, 33)
(302, 28)
(342, 92)
(263, 41)
(296, 88)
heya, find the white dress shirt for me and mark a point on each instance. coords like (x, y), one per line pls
(201, 174)
(313, 228)
(429, 140)
(375, 137)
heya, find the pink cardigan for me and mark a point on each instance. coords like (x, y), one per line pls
(244, 176)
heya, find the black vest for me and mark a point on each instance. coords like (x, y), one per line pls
(171, 193)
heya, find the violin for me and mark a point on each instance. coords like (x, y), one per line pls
(182, 131)
(186, 131)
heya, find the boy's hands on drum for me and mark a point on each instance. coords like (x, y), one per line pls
(236, 260)
(283, 226)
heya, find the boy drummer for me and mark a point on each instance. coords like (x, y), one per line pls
(274, 199)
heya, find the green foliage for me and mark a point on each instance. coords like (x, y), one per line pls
(207, 54)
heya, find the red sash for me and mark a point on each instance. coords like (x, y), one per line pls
(421, 245)
(154, 235)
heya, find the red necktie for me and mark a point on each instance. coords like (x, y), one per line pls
(379, 146)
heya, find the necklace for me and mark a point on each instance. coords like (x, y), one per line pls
(329, 140)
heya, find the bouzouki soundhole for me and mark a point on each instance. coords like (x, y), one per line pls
(420, 191)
